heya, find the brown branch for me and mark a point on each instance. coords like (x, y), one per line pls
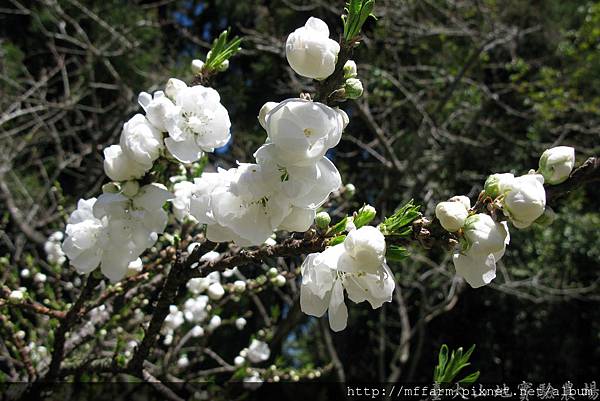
(178, 275)
(70, 319)
(585, 174)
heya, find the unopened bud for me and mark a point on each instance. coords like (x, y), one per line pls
(556, 164)
(197, 66)
(15, 296)
(364, 216)
(353, 88)
(278, 281)
(349, 190)
(350, 69)
(498, 184)
(130, 188)
(322, 220)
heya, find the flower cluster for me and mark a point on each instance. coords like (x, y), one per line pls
(290, 179)
(113, 230)
(521, 200)
(357, 265)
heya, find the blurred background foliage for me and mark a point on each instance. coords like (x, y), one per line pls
(454, 91)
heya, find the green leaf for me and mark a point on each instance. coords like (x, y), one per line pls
(399, 224)
(339, 227)
(472, 378)
(396, 253)
(448, 368)
(337, 240)
(357, 13)
(221, 50)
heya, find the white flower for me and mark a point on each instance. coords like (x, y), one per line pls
(53, 249)
(141, 141)
(303, 130)
(258, 351)
(485, 244)
(239, 205)
(364, 250)
(299, 220)
(194, 309)
(201, 125)
(173, 320)
(132, 226)
(120, 167)
(309, 50)
(201, 284)
(556, 164)
(135, 267)
(181, 204)
(525, 201)
(86, 237)
(240, 323)
(215, 291)
(306, 186)
(452, 214)
(158, 109)
(325, 276)
(239, 360)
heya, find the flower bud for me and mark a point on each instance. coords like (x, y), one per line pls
(239, 360)
(350, 69)
(484, 236)
(120, 167)
(215, 291)
(214, 322)
(310, 52)
(278, 281)
(130, 188)
(16, 296)
(453, 213)
(239, 286)
(264, 110)
(349, 190)
(525, 201)
(322, 220)
(197, 66)
(498, 184)
(272, 272)
(556, 164)
(240, 323)
(353, 88)
(364, 216)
